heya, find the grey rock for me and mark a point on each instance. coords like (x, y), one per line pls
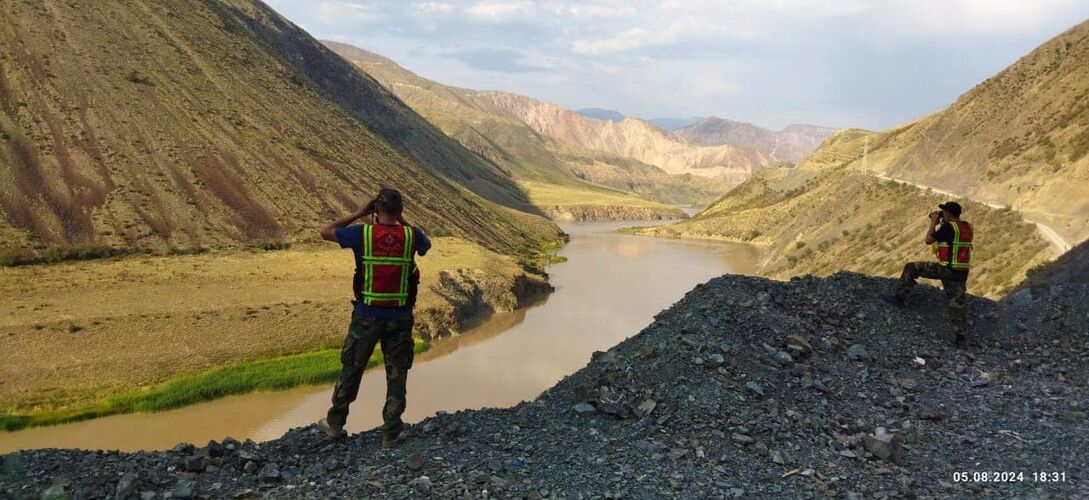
(270, 473)
(185, 488)
(645, 408)
(55, 492)
(231, 444)
(716, 359)
(884, 445)
(214, 449)
(126, 486)
(585, 408)
(414, 462)
(742, 438)
(250, 467)
(755, 388)
(857, 352)
(421, 484)
(196, 463)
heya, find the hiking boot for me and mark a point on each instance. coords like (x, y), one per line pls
(893, 299)
(333, 431)
(391, 440)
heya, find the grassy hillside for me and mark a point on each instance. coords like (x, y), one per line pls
(1020, 139)
(520, 150)
(1013, 149)
(826, 216)
(173, 125)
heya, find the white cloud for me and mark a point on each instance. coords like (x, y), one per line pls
(768, 61)
(346, 13)
(434, 8)
(496, 11)
(587, 10)
(972, 17)
(677, 31)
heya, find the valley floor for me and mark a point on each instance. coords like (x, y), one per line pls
(74, 332)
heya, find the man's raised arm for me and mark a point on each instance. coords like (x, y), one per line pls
(329, 233)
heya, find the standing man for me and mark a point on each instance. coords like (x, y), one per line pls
(952, 238)
(384, 285)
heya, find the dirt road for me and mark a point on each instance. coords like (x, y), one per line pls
(1060, 244)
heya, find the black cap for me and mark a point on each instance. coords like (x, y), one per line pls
(951, 207)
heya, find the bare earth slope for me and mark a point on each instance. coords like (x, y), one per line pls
(1019, 139)
(790, 144)
(177, 124)
(522, 151)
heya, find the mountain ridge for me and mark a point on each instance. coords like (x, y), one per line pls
(791, 144)
(1019, 138)
(530, 157)
(1015, 146)
(601, 114)
(212, 131)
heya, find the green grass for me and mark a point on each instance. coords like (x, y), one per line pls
(542, 194)
(262, 375)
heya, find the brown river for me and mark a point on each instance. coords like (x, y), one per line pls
(609, 289)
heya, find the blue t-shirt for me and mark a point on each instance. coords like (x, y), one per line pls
(352, 237)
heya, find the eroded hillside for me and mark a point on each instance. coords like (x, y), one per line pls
(176, 125)
(630, 137)
(791, 144)
(1019, 139)
(530, 156)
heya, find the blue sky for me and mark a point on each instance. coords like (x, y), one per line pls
(865, 63)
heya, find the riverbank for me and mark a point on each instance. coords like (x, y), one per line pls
(568, 204)
(611, 286)
(277, 373)
(745, 388)
(75, 336)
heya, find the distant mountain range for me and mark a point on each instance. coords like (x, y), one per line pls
(672, 124)
(573, 181)
(790, 144)
(630, 138)
(601, 114)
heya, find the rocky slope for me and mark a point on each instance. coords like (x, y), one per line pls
(791, 144)
(522, 151)
(1019, 139)
(745, 388)
(165, 125)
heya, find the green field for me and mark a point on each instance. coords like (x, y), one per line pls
(263, 375)
(542, 194)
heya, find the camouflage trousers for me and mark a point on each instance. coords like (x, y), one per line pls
(395, 337)
(954, 286)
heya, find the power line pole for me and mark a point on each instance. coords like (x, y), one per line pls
(865, 156)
